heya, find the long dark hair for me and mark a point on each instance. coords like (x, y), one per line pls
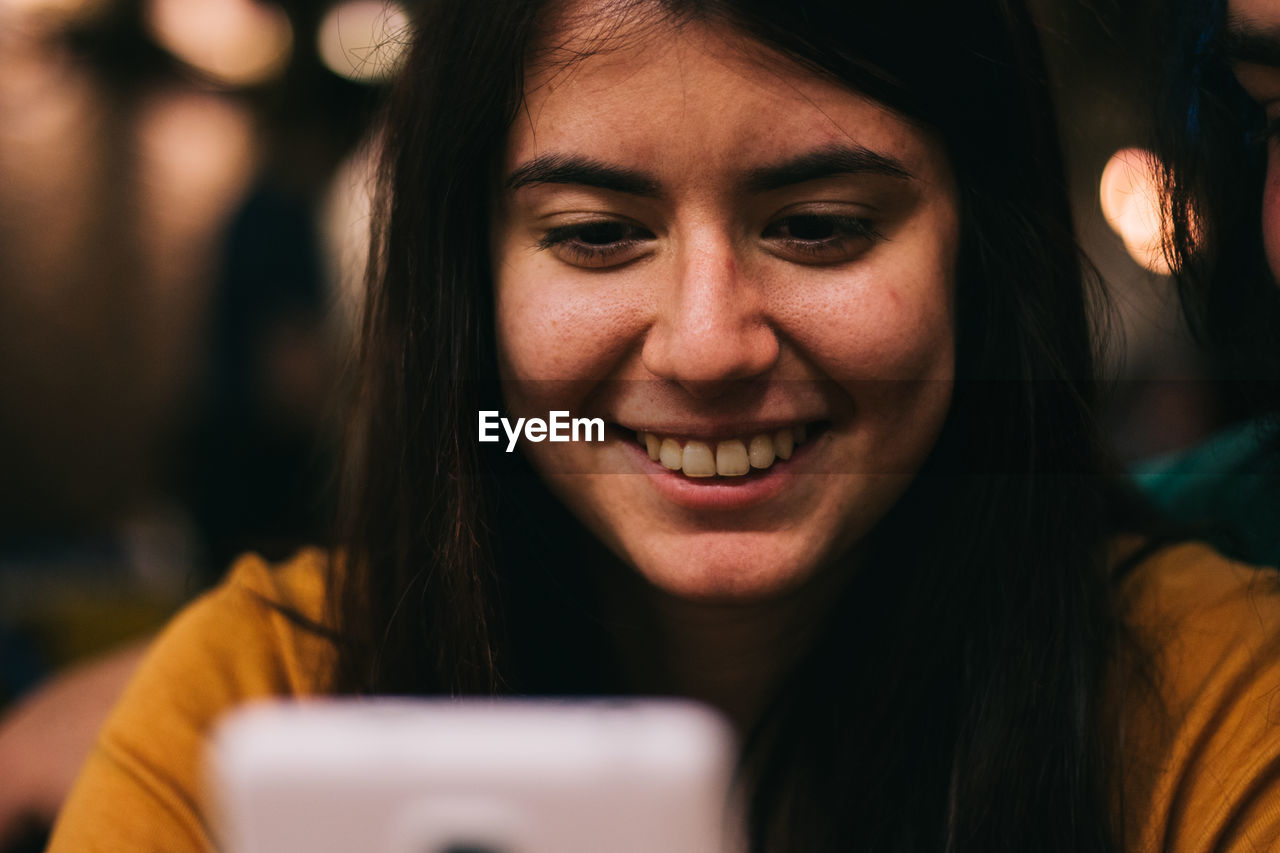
(1210, 139)
(952, 700)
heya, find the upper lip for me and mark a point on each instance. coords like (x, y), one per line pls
(713, 431)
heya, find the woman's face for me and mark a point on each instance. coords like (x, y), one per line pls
(699, 241)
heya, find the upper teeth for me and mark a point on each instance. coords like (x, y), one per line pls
(729, 458)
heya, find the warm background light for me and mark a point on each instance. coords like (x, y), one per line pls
(236, 42)
(35, 24)
(346, 214)
(363, 40)
(65, 9)
(1131, 198)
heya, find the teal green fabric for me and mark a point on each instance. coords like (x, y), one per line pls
(1227, 488)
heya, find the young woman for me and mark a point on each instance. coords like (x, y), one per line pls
(812, 266)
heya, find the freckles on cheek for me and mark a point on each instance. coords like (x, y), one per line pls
(894, 335)
(550, 333)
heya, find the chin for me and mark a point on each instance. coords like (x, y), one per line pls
(714, 571)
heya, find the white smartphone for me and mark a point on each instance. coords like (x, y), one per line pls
(500, 776)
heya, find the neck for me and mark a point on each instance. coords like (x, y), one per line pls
(730, 655)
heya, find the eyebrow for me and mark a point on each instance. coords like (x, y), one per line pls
(1244, 42)
(825, 162)
(566, 169)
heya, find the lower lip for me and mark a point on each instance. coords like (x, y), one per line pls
(720, 493)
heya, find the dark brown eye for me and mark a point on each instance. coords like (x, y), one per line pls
(809, 227)
(597, 245)
(820, 238)
(604, 233)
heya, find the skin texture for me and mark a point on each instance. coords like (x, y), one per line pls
(708, 309)
(1257, 23)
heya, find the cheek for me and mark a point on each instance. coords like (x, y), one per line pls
(553, 326)
(896, 320)
(899, 369)
(892, 324)
(907, 337)
(1271, 212)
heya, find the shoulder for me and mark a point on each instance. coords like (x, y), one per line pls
(259, 633)
(1230, 485)
(1192, 585)
(1235, 449)
(1201, 704)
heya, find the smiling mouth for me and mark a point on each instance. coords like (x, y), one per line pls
(732, 457)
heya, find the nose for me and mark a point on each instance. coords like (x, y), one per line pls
(711, 327)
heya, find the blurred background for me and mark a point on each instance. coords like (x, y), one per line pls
(182, 197)
(182, 210)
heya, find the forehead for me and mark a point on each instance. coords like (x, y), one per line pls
(1260, 13)
(675, 91)
(1252, 45)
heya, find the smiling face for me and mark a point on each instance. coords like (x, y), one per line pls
(698, 241)
(1253, 46)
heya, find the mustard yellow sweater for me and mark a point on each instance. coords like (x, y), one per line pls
(1200, 766)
